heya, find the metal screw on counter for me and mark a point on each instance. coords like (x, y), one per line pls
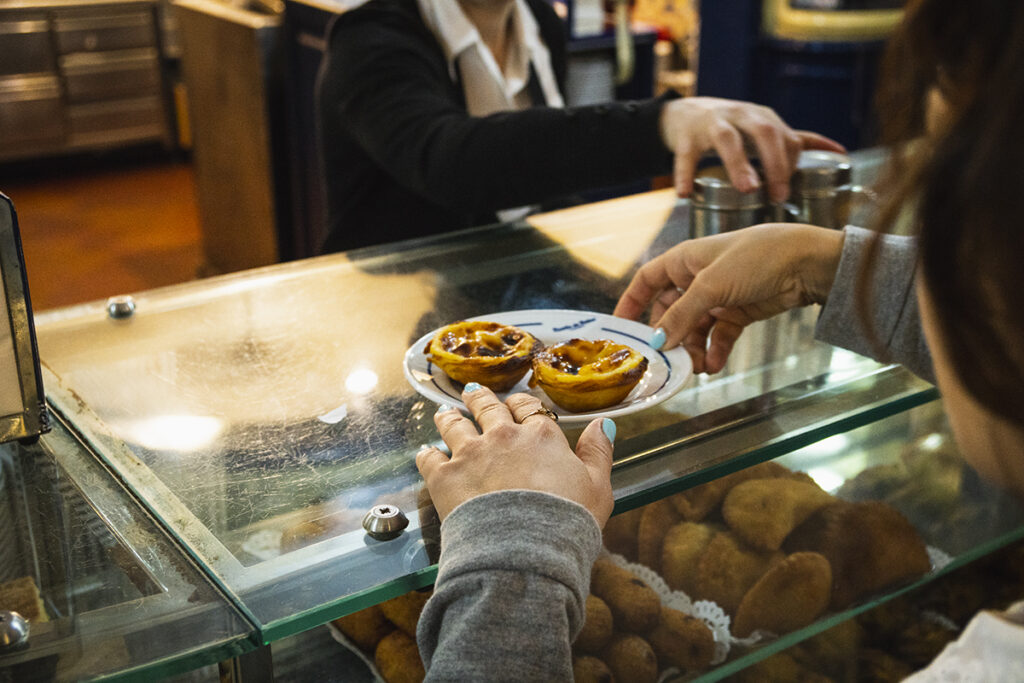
(822, 189)
(119, 307)
(13, 631)
(384, 522)
(716, 206)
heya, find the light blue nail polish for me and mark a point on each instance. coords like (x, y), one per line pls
(443, 408)
(471, 387)
(657, 339)
(609, 429)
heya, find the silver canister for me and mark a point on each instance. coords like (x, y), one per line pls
(716, 206)
(822, 189)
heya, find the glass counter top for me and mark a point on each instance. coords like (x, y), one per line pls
(106, 592)
(260, 415)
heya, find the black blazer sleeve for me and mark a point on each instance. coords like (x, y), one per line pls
(390, 88)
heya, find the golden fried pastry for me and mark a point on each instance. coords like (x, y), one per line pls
(597, 626)
(922, 641)
(762, 512)
(635, 606)
(870, 546)
(682, 641)
(489, 353)
(779, 668)
(581, 375)
(684, 544)
(620, 533)
(790, 595)
(365, 628)
(727, 570)
(404, 611)
(833, 652)
(695, 504)
(398, 659)
(631, 658)
(21, 595)
(587, 669)
(658, 517)
(880, 667)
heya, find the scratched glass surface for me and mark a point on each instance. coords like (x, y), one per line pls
(96, 585)
(262, 414)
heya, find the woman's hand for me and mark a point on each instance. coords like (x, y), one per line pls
(692, 126)
(715, 286)
(516, 450)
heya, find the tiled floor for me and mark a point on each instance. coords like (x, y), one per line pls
(95, 227)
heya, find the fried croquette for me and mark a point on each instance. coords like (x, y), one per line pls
(657, 518)
(763, 512)
(404, 611)
(597, 626)
(870, 546)
(398, 659)
(634, 605)
(682, 641)
(727, 570)
(588, 669)
(684, 544)
(696, 503)
(620, 533)
(631, 658)
(365, 628)
(779, 668)
(790, 595)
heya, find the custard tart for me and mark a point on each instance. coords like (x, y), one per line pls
(489, 353)
(581, 375)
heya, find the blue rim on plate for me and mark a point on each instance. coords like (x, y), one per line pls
(666, 374)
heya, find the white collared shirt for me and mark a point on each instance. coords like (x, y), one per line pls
(487, 90)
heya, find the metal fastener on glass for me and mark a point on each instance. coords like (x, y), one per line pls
(385, 522)
(13, 631)
(120, 306)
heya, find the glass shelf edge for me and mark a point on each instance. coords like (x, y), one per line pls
(184, 663)
(304, 621)
(737, 458)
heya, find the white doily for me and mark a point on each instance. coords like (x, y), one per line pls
(938, 558)
(707, 611)
(367, 659)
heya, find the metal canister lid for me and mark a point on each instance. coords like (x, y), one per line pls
(819, 172)
(714, 193)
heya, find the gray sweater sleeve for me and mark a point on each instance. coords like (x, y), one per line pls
(511, 589)
(894, 313)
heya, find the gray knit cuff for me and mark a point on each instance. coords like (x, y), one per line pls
(893, 310)
(524, 531)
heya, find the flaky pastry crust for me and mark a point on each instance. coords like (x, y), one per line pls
(581, 375)
(489, 353)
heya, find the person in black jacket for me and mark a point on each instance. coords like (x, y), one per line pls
(405, 155)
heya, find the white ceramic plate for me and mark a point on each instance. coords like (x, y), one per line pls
(667, 371)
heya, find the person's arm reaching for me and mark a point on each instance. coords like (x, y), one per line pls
(393, 97)
(703, 293)
(895, 320)
(521, 527)
(711, 288)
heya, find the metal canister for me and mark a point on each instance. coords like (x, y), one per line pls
(716, 206)
(821, 189)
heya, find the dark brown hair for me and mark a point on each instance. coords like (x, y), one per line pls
(966, 184)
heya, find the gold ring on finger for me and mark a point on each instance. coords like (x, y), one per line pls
(540, 411)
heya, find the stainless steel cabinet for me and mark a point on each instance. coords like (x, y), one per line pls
(81, 75)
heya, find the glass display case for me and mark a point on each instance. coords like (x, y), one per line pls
(255, 418)
(105, 591)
